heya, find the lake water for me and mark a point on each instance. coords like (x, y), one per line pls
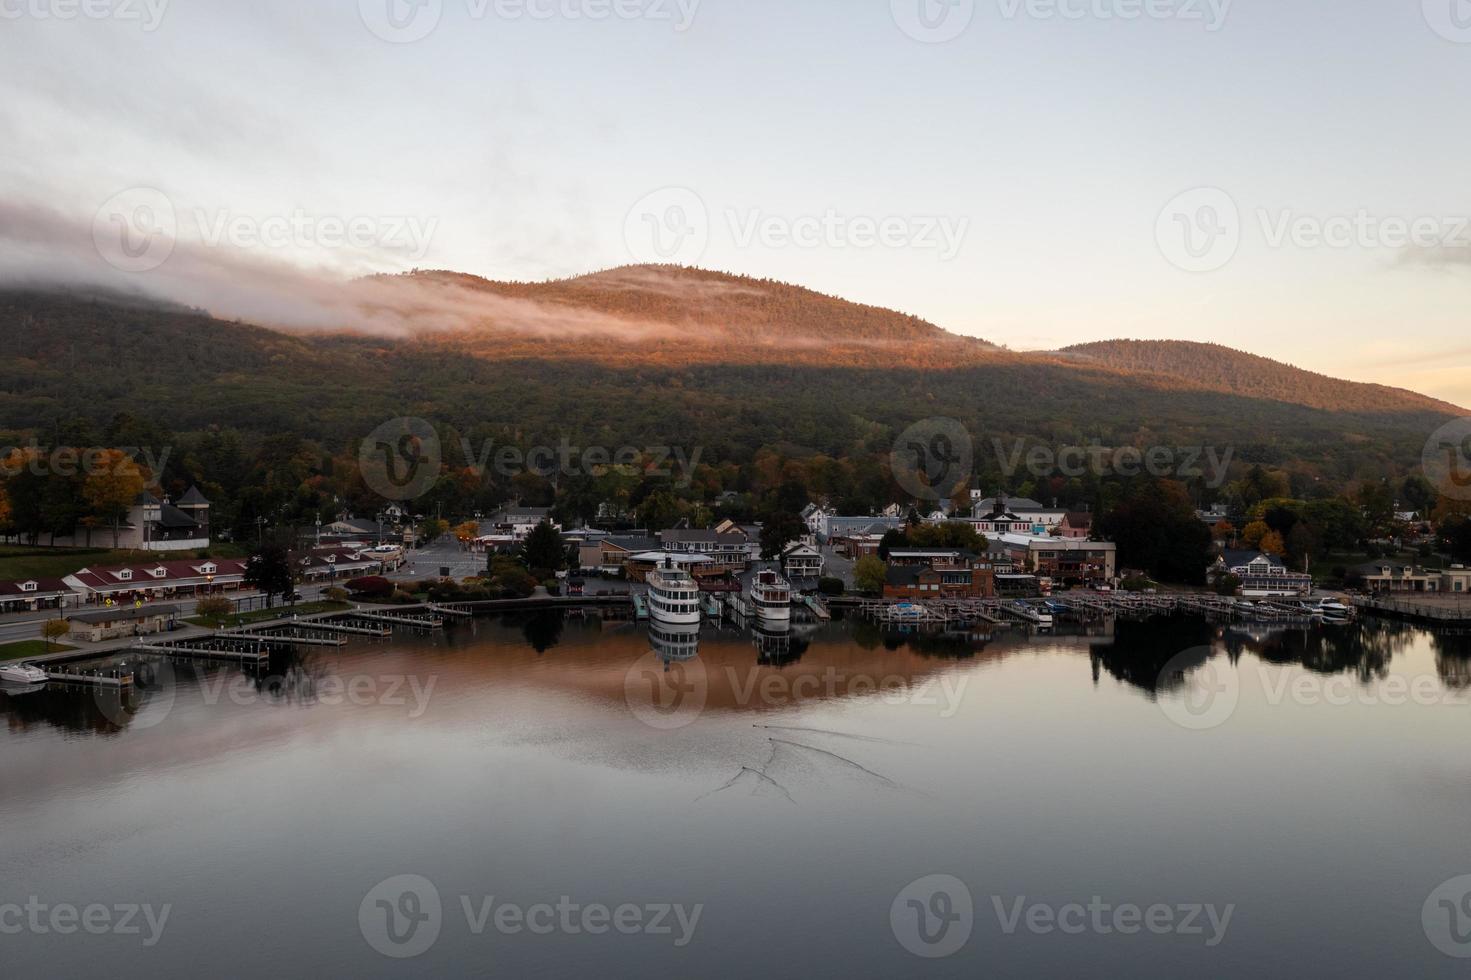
(539, 796)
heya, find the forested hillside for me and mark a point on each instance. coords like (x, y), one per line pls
(1218, 368)
(87, 358)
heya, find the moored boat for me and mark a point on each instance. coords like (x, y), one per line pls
(771, 597)
(22, 674)
(674, 597)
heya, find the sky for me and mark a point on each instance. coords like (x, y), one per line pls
(1287, 178)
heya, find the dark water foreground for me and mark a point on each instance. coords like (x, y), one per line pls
(546, 797)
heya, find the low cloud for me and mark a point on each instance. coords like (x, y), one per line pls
(42, 247)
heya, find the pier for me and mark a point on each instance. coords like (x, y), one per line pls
(1082, 607)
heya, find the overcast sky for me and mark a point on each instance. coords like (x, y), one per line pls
(1284, 177)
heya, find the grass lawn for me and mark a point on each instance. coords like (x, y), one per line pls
(263, 615)
(30, 648)
(19, 562)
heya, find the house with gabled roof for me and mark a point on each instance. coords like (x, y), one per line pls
(29, 595)
(1262, 576)
(191, 577)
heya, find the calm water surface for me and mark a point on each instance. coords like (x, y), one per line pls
(797, 797)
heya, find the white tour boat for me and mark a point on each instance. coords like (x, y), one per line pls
(22, 674)
(771, 596)
(674, 597)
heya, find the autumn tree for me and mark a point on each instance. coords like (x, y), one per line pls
(869, 574)
(54, 629)
(1254, 532)
(111, 487)
(1272, 544)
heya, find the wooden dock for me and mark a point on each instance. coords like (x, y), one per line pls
(93, 679)
(1450, 611)
(234, 649)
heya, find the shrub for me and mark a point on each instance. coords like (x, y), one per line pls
(216, 608)
(372, 587)
(336, 595)
(831, 586)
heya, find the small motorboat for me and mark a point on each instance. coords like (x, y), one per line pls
(22, 674)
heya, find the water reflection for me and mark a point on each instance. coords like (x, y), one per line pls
(592, 654)
(674, 643)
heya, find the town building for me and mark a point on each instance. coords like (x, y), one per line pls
(730, 549)
(1262, 576)
(944, 572)
(831, 528)
(1066, 560)
(126, 583)
(1017, 515)
(30, 595)
(802, 563)
(122, 620)
(330, 564)
(1077, 524)
(926, 582)
(609, 555)
(1395, 577)
(514, 524)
